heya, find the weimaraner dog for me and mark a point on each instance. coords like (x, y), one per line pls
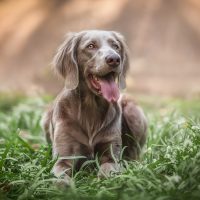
(89, 117)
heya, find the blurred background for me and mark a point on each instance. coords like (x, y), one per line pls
(163, 37)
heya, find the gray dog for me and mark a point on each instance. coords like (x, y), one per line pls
(89, 116)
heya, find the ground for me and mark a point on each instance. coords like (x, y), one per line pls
(168, 169)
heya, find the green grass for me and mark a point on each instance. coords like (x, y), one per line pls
(169, 167)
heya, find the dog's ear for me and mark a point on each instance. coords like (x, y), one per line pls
(125, 60)
(65, 61)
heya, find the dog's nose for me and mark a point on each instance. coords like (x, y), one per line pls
(113, 60)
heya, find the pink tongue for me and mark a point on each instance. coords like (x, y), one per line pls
(109, 90)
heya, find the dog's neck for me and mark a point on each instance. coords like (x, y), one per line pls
(101, 113)
(89, 100)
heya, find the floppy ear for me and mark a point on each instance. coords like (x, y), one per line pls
(65, 61)
(125, 60)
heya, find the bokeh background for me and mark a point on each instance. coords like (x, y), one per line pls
(163, 37)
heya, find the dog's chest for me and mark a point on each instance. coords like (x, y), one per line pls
(96, 121)
(92, 116)
(91, 122)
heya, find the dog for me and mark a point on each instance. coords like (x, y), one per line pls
(89, 116)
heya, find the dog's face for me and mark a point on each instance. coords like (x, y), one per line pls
(99, 58)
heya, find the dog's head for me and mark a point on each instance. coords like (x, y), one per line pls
(99, 58)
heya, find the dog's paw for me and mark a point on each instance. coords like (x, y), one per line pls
(107, 169)
(63, 181)
(61, 172)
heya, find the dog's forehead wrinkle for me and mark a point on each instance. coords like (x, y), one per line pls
(88, 40)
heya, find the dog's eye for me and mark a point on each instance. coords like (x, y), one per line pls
(115, 46)
(91, 46)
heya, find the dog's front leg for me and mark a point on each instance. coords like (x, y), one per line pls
(65, 147)
(109, 157)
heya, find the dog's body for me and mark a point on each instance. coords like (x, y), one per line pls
(89, 117)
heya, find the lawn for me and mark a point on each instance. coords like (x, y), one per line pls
(169, 167)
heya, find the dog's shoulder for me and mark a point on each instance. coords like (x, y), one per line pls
(65, 103)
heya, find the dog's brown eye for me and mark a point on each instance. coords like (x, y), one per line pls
(115, 46)
(91, 46)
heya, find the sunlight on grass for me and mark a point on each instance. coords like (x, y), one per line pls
(169, 167)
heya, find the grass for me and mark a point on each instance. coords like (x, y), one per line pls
(169, 167)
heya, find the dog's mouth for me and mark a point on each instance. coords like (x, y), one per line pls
(105, 85)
